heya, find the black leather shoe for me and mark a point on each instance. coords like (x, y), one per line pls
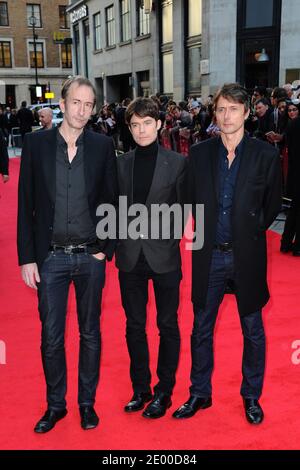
(190, 407)
(89, 418)
(253, 410)
(49, 420)
(158, 406)
(286, 247)
(296, 252)
(138, 401)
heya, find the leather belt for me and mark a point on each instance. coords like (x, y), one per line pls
(70, 249)
(223, 246)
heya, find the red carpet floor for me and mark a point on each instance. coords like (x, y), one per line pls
(223, 426)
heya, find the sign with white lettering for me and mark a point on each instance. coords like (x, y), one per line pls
(79, 14)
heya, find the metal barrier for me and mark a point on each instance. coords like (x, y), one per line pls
(16, 138)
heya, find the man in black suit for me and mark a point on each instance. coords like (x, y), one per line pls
(238, 180)
(25, 119)
(291, 235)
(4, 161)
(65, 175)
(149, 176)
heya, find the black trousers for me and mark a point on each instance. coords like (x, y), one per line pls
(291, 231)
(88, 275)
(134, 292)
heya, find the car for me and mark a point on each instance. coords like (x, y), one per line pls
(57, 117)
(36, 107)
(57, 114)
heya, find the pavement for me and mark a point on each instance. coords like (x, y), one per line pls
(14, 152)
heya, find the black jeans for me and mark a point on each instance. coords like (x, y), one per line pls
(292, 226)
(88, 275)
(253, 364)
(134, 292)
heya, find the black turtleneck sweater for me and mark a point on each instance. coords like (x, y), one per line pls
(144, 166)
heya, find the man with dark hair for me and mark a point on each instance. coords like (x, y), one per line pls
(150, 175)
(238, 179)
(291, 235)
(66, 173)
(4, 160)
(263, 113)
(124, 134)
(25, 119)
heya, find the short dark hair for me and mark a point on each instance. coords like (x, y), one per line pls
(261, 90)
(80, 80)
(262, 101)
(279, 92)
(142, 107)
(233, 92)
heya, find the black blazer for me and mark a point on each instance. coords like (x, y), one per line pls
(4, 162)
(37, 190)
(162, 255)
(256, 203)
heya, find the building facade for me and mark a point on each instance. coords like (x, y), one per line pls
(35, 50)
(114, 45)
(184, 47)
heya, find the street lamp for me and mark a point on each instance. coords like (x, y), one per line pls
(32, 22)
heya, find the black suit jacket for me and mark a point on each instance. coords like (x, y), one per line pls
(293, 178)
(168, 184)
(37, 190)
(3, 156)
(257, 201)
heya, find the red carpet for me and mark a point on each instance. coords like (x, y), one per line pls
(223, 426)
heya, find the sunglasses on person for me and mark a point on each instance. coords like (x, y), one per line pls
(292, 110)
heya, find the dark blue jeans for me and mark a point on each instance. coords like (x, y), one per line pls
(88, 275)
(253, 364)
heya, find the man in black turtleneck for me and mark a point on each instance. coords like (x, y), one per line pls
(150, 175)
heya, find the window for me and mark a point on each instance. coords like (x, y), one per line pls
(5, 54)
(66, 56)
(167, 61)
(87, 47)
(39, 55)
(110, 26)
(77, 49)
(167, 21)
(97, 31)
(258, 13)
(3, 14)
(125, 20)
(193, 69)
(143, 20)
(34, 9)
(64, 19)
(195, 17)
